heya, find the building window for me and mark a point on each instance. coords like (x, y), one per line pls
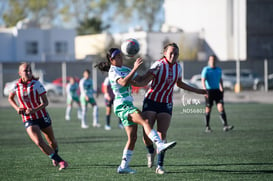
(61, 47)
(32, 48)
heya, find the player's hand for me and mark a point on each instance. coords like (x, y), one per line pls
(29, 111)
(138, 62)
(21, 110)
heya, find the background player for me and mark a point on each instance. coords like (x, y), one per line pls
(211, 78)
(72, 96)
(86, 88)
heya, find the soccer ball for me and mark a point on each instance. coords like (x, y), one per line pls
(130, 47)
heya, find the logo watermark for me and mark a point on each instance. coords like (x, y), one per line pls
(191, 105)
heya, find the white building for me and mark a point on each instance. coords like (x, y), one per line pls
(222, 22)
(33, 44)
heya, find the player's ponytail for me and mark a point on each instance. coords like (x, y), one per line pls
(105, 66)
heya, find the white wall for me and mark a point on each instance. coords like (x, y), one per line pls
(215, 17)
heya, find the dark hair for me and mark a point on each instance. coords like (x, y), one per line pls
(105, 66)
(214, 56)
(172, 44)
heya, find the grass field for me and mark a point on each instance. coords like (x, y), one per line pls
(246, 153)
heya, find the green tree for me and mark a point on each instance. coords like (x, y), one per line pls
(91, 26)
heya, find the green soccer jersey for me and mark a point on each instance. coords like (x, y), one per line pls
(122, 94)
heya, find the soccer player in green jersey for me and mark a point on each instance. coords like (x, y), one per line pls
(121, 79)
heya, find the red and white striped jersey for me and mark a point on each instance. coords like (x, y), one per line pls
(161, 89)
(29, 97)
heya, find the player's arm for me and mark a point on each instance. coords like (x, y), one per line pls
(203, 83)
(128, 79)
(221, 87)
(41, 106)
(12, 102)
(187, 87)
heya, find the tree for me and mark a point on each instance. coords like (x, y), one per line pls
(91, 26)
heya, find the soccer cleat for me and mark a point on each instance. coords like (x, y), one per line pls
(63, 165)
(97, 125)
(121, 126)
(150, 159)
(126, 170)
(107, 128)
(84, 126)
(165, 146)
(228, 128)
(208, 129)
(67, 118)
(160, 170)
(55, 163)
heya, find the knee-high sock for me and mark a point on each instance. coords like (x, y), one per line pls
(223, 118)
(207, 119)
(95, 114)
(126, 158)
(68, 111)
(84, 110)
(154, 137)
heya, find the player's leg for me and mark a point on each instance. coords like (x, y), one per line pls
(68, 109)
(152, 134)
(221, 109)
(150, 117)
(108, 112)
(84, 103)
(79, 111)
(163, 124)
(95, 114)
(49, 136)
(209, 103)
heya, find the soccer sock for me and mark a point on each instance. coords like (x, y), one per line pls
(207, 119)
(160, 158)
(223, 118)
(56, 157)
(108, 120)
(95, 114)
(84, 109)
(56, 150)
(154, 137)
(126, 158)
(150, 149)
(79, 113)
(68, 111)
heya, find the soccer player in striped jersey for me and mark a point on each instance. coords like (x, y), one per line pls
(72, 95)
(32, 100)
(158, 102)
(211, 78)
(121, 79)
(87, 91)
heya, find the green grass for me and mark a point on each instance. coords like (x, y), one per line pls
(246, 153)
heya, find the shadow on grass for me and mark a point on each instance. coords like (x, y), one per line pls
(89, 139)
(242, 170)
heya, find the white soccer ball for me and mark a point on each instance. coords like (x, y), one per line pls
(130, 47)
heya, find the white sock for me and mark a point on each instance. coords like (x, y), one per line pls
(79, 113)
(126, 158)
(95, 115)
(84, 109)
(68, 111)
(154, 137)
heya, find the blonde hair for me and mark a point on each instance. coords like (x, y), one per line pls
(28, 65)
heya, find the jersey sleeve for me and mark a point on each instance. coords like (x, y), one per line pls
(155, 67)
(40, 88)
(203, 73)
